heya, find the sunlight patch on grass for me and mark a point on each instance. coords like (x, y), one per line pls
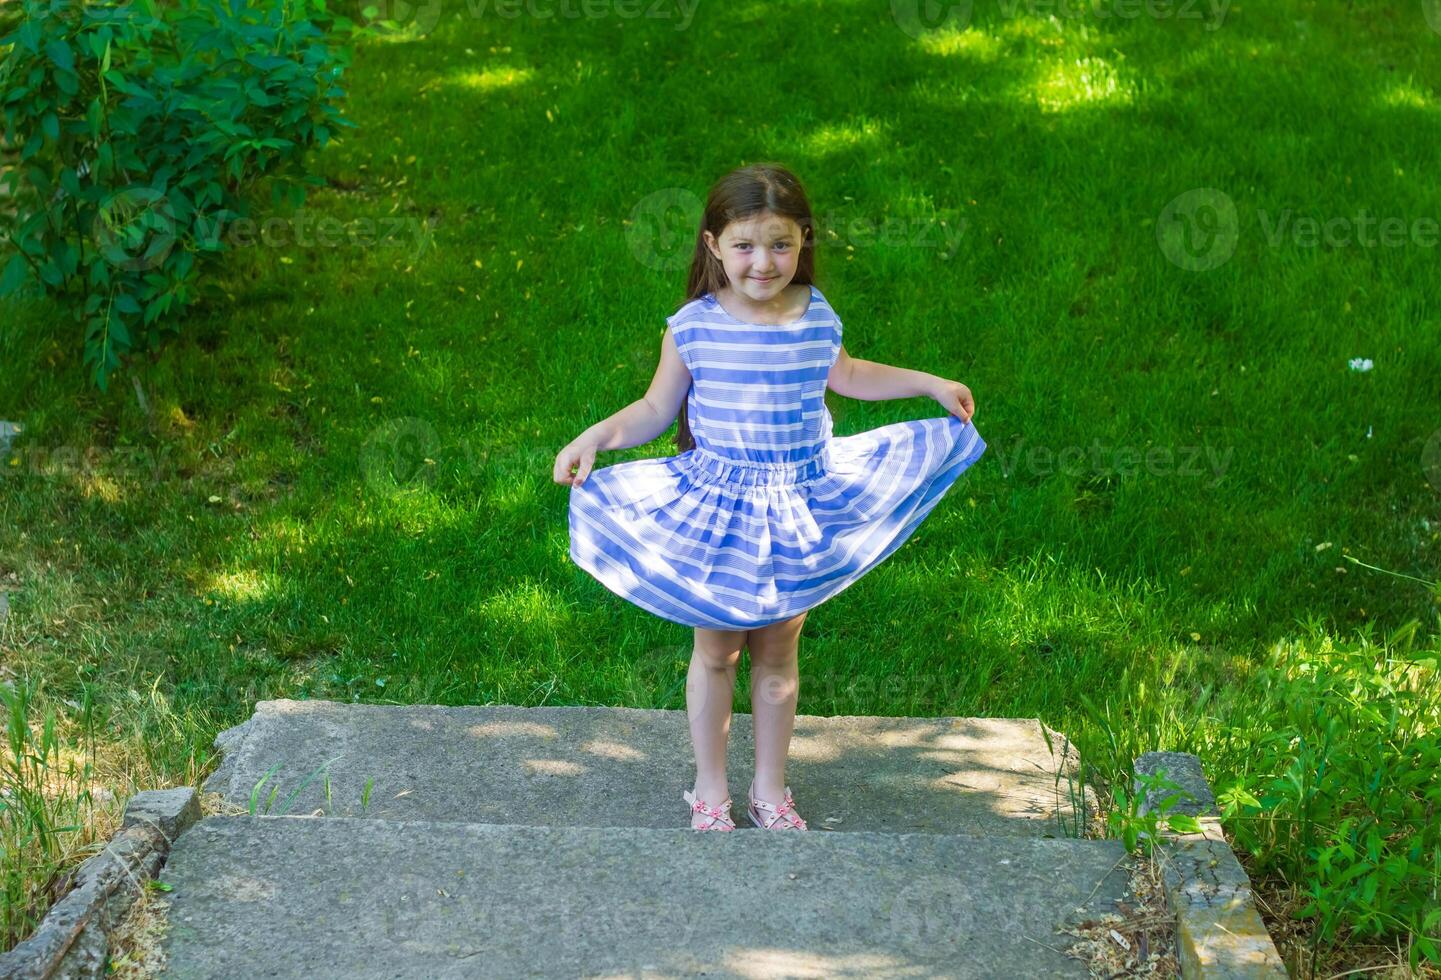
(526, 607)
(1407, 95)
(513, 496)
(1035, 30)
(243, 585)
(972, 43)
(1085, 81)
(492, 79)
(844, 136)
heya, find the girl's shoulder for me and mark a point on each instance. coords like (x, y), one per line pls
(689, 311)
(826, 312)
(823, 302)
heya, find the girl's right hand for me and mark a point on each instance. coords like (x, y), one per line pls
(575, 456)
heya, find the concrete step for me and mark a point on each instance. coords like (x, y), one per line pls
(297, 897)
(627, 767)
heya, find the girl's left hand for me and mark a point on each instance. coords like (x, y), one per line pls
(955, 398)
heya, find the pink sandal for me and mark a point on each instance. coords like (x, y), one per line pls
(784, 814)
(719, 816)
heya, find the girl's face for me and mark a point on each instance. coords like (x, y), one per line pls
(759, 254)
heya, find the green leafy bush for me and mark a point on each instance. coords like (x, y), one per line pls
(1326, 759)
(1338, 788)
(134, 132)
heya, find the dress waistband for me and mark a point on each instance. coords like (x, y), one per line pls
(750, 473)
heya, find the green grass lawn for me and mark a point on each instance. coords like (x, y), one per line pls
(339, 485)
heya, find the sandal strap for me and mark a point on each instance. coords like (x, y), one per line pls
(717, 814)
(786, 811)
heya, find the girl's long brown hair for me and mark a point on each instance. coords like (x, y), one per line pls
(739, 195)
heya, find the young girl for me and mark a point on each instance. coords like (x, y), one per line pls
(763, 514)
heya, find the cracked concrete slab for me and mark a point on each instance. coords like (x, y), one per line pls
(361, 898)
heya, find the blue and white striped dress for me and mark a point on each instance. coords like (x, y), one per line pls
(768, 514)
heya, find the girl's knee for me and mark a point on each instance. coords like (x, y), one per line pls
(776, 642)
(719, 649)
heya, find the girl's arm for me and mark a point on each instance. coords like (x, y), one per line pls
(870, 381)
(636, 424)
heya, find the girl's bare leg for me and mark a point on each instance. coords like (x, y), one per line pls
(709, 686)
(775, 688)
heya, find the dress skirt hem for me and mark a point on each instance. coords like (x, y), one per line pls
(663, 575)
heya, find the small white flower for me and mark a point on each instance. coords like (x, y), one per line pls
(1361, 364)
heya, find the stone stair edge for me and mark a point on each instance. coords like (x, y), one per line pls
(1220, 934)
(491, 827)
(273, 702)
(72, 939)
